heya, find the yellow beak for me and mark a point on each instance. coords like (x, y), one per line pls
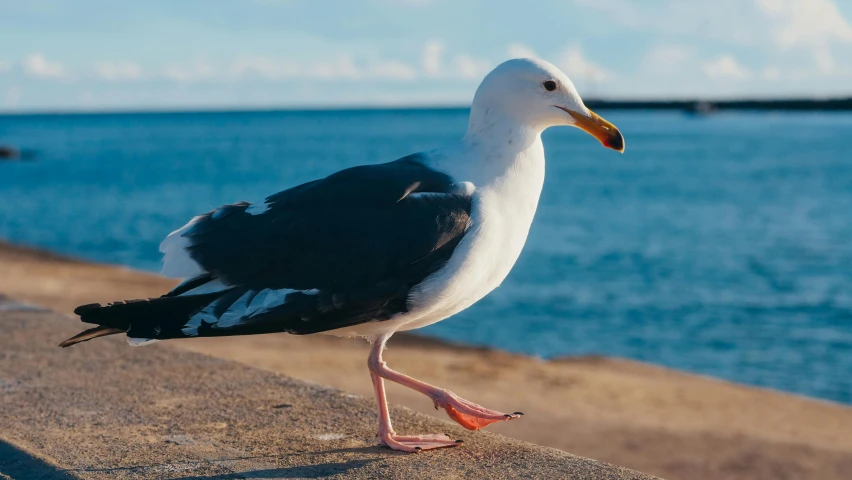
(594, 125)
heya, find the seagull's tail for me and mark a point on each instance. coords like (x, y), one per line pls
(89, 334)
(160, 317)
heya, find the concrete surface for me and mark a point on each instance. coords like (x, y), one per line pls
(106, 410)
(649, 418)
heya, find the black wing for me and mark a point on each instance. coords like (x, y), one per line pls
(328, 254)
(354, 228)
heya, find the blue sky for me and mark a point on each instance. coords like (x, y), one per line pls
(157, 54)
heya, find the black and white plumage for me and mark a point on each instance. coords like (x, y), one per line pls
(329, 254)
(374, 249)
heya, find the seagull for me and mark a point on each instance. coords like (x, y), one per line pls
(374, 249)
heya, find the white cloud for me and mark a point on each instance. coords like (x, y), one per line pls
(118, 71)
(432, 57)
(815, 25)
(36, 65)
(341, 67)
(249, 67)
(574, 63)
(816, 28)
(461, 65)
(191, 72)
(263, 67)
(348, 67)
(666, 60)
(806, 22)
(725, 67)
(677, 17)
(519, 50)
(469, 67)
(392, 70)
(745, 22)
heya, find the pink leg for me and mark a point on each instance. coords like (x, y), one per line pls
(405, 443)
(465, 413)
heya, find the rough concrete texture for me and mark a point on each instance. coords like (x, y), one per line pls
(105, 410)
(658, 420)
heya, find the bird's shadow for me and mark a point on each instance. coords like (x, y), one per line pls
(321, 470)
(21, 464)
(17, 463)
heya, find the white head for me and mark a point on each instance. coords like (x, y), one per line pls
(536, 94)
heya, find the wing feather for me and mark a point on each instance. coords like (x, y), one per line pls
(359, 240)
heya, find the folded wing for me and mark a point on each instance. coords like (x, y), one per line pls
(328, 254)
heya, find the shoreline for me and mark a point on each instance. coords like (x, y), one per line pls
(402, 339)
(650, 418)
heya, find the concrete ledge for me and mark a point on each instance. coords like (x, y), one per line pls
(105, 410)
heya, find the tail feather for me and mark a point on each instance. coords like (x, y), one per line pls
(161, 317)
(238, 310)
(90, 334)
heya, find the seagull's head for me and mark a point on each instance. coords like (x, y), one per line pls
(537, 94)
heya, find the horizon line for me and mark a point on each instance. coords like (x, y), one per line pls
(743, 103)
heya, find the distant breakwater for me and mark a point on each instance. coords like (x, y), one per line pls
(708, 106)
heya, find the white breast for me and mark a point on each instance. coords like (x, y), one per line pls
(501, 216)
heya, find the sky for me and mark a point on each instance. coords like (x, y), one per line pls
(208, 54)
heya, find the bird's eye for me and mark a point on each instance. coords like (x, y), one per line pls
(549, 85)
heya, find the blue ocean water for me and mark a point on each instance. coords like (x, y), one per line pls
(720, 245)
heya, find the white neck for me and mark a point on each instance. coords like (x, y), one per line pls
(494, 147)
(492, 124)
